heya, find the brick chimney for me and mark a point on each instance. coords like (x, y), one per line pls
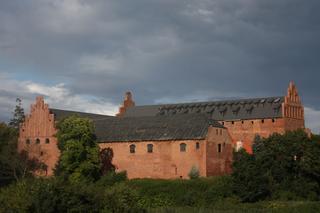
(128, 102)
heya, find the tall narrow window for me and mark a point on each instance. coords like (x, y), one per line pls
(197, 145)
(150, 148)
(28, 141)
(37, 141)
(219, 147)
(47, 140)
(132, 148)
(183, 147)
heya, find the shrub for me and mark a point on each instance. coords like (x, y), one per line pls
(121, 198)
(194, 173)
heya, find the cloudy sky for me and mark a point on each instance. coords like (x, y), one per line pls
(84, 54)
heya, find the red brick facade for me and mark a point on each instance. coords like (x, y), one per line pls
(211, 156)
(244, 131)
(37, 135)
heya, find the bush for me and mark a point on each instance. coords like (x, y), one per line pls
(112, 178)
(121, 198)
(194, 173)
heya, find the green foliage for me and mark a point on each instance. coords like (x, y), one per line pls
(14, 165)
(121, 198)
(79, 160)
(281, 167)
(194, 173)
(196, 192)
(18, 115)
(112, 178)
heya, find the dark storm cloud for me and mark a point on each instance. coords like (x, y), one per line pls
(165, 50)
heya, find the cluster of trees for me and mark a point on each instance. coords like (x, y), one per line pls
(281, 167)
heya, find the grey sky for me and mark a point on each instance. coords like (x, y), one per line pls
(84, 55)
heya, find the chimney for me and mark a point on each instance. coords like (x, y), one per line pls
(128, 102)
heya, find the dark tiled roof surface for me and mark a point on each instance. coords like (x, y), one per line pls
(154, 128)
(256, 108)
(60, 114)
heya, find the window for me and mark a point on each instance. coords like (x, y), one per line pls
(242, 122)
(183, 147)
(197, 145)
(132, 148)
(47, 140)
(41, 153)
(37, 141)
(219, 147)
(28, 141)
(273, 120)
(217, 131)
(262, 121)
(232, 122)
(252, 122)
(220, 131)
(150, 148)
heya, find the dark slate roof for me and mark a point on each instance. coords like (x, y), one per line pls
(60, 114)
(154, 128)
(257, 108)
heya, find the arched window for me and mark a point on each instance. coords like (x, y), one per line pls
(47, 140)
(150, 148)
(197, 145)
(183, 147)
(37, 141)
(132, 148)
(28, 141)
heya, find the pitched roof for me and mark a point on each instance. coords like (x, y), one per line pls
(256, 108)
(59, 114)
(145, 128)
(154, 128)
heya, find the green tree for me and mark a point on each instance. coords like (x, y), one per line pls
(280, 165)
(18, 115)
(14, 166)
(79, 160)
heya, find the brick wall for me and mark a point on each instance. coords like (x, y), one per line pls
(37, 136)
(167, 161)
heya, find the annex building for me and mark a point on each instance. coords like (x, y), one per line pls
(166, 141)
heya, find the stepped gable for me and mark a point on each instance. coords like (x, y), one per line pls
(154, 128)
(256, 108)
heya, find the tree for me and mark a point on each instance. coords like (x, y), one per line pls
(18, 115)
(79, 160)
(280, 165)
(106, 156)
(14, 165)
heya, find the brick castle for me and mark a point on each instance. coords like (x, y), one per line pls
(166, 141)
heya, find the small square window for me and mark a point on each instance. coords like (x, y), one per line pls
(150, 148)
